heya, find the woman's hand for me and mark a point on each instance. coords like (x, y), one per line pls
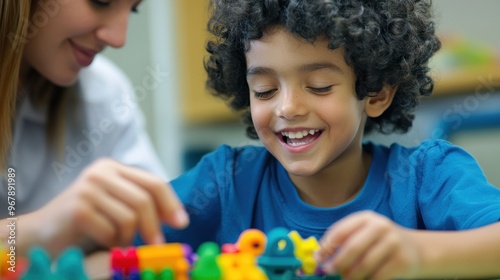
(367, 245)
(106, 204)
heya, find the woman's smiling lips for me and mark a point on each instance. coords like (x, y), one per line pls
(84, 56)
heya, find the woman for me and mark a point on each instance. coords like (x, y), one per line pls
(74, 108)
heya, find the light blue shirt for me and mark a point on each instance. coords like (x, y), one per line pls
(105, 122)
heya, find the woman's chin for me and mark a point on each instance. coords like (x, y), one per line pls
(65, 81)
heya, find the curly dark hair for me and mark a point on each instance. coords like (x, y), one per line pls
(386, 42)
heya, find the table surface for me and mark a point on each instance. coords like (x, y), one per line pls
(97, 266)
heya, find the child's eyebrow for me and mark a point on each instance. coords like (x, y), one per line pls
(320, 66)
(253, 71)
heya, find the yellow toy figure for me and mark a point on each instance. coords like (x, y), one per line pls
(241, 265)
(304, 251)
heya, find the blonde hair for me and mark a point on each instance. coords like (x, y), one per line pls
(57, 100)
(44, 93)
(14, 15)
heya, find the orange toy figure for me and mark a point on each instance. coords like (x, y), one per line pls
(157, 258)
(4, 260)
(252, 241)
(11, 268)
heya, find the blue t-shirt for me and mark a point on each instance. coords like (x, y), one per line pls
(435, 186)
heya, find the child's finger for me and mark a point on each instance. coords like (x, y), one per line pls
(371, 261)
(337, 234)
(357, 245)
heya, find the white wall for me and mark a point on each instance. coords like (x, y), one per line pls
(150, 53)
(478, 20)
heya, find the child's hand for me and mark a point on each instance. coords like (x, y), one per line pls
(368, 245)
(107, 203)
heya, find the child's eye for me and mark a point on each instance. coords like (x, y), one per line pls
(264, 94)
(322, 89)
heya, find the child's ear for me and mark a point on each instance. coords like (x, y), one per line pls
(377, 103)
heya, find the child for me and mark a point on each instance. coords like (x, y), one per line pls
(311, 76)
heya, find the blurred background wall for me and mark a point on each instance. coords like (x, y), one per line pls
(166, 42)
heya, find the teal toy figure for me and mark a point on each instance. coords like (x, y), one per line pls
(69, 266)
(39, 267)
(279, 261)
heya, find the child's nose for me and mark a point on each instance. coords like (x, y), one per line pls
(291, 104)
(113, 31)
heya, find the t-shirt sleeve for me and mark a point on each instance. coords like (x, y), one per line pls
(454, 193)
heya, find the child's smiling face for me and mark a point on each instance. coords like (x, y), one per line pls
(303, 101)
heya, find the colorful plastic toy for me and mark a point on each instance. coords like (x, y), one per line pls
(239, 262)
(304, 251)
(281, 255)
(279, 261)
(252, 241)
(124, 261)
(166, 261)
(206, 267)
(12, 267)
(68, 266)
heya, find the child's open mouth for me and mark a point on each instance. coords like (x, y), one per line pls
(299, 138)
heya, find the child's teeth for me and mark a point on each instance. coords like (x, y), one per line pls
(298, 134)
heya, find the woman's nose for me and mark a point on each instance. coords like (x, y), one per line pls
(113, 31)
